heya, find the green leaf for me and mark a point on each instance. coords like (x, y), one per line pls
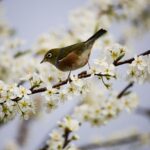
(127, 93)
(120, 57)
(18, 54)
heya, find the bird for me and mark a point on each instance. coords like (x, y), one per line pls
(74, 56)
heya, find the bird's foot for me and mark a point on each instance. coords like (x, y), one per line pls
(68, 78)
(89, 65)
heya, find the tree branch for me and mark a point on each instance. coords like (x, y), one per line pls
(45, 147)
(123, 92)
(129, 61)
(66, 138)
(81, 75)
(39, 90)
(84, 74)
(43, 89)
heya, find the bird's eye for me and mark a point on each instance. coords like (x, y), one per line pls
(49, 55)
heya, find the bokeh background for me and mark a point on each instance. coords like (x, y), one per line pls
(31, 18)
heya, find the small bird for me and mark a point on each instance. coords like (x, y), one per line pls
(74, 56)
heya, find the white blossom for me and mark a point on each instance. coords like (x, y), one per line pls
(138, 70)
(50, 93)
(56, 136)
(23, 92)
(50, 105)
(139, 63)
(130, 102)
(25, 108)
(105, 68)
(100, 109)
(70, 124)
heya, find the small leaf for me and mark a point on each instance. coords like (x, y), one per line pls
(18, 54)
(127, 93)
(107, 86)
(120, 57)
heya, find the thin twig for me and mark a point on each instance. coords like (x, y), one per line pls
(39, 90)
(129, 61)
(45, 147)
(66, 138)
(125, 90)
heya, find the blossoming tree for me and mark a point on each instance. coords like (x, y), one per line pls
(22, 75)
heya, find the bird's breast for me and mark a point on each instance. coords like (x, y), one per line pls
(73, 61)
(83, 58)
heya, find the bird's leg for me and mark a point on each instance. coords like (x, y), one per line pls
(68, 78)
(89, 65)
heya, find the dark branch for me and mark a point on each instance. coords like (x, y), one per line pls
(123, 92)
(43, 89)
(84, 74)
(66, 138)
(129, 61)
(40, 90)
(45, 147)
(81, 75)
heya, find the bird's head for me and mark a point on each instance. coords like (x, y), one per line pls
(50, 56)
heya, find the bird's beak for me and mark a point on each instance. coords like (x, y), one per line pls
(42, 61)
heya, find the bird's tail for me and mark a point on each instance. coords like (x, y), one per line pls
(98, 34)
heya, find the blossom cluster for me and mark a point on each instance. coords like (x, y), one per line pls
(98, 109)
(103, 13)
(63, 137)
(139, 69)
(14, 99)
(54, 96)
(34, 76)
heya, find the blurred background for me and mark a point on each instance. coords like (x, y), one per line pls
(31, 18)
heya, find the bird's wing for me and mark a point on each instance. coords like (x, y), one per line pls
(64, 52)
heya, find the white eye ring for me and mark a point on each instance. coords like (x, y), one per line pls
(49, 55)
